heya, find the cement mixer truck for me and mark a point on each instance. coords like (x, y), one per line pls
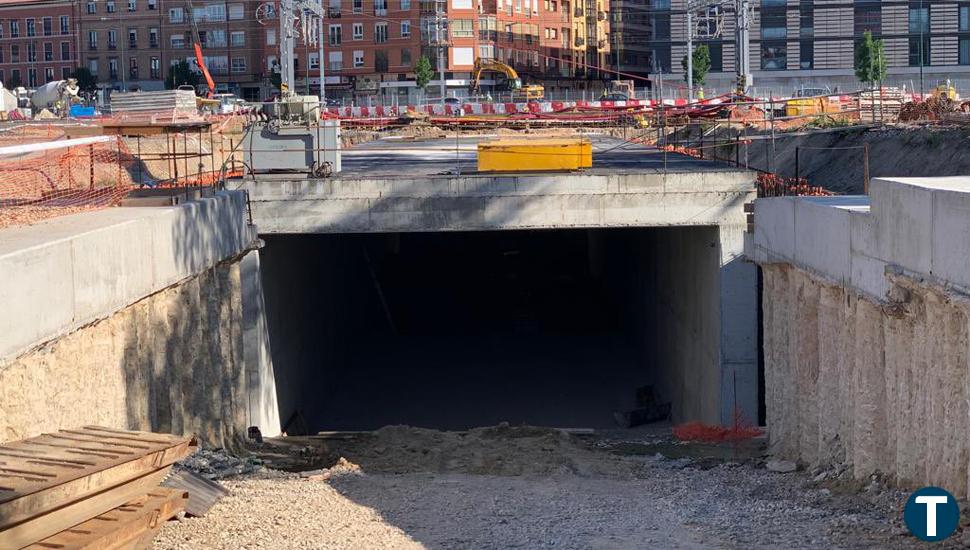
(56, 96)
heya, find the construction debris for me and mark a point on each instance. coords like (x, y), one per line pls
(68, 478)
(202, 493)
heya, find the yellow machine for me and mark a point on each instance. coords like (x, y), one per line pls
(944, 89)
(514, 83)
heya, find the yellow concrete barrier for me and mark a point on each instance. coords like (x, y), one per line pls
(535, 155)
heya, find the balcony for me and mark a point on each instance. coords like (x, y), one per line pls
(153, 43)
(132, 45)
(112, 45)
(380, 12)
(601, 44)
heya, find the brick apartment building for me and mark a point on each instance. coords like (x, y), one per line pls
(372, 46)
(38, 41)
(130, 44)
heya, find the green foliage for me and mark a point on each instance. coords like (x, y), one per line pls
(180, 74)
(870, 60)
(85, 80)
(423, 73)
(702, 64)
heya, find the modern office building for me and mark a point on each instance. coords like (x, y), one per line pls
(798, 43)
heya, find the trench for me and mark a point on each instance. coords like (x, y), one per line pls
(463, 329)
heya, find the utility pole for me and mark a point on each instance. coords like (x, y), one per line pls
(742, 46)
(690, 53)
(323, 36)
(441, 33)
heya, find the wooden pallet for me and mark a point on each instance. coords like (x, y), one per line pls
(131, 525)
(53, 482)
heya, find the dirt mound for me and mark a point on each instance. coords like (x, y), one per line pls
(498, 450)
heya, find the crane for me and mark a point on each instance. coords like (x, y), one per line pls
(199, 59)
(514, 83)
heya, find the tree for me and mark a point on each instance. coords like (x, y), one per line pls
(870, 60)
(85, 80)
(702, 64)
(180, 74)
(423, 73)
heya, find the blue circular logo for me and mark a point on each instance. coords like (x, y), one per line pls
(931, 514)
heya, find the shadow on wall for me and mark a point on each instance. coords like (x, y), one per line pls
(182, 347)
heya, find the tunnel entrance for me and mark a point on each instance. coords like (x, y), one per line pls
(457, 330)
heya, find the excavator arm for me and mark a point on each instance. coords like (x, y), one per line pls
(494, 66)
(199, 59)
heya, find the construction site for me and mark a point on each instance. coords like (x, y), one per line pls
(738, 321)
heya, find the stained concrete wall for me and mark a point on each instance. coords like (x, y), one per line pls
(866, 329)
(133, 318)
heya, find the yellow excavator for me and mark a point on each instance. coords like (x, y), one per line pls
(512, 80)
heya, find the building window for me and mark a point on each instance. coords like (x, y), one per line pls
(270, 37)
(133, 38)
(65, 73)
(214, 38)
(716, 51)
(405, 29)
(774, 20)
(238, 65)
(93, 67)
(486, 51)
(154, 68)
(215, 12)
(405, 5)
(176, 15)
(335, 61)
(48, 25)
(152, 4)
(177, 41)
(314, 61)
(336, 34)
(14, 28)
(358, 6)
(132, 5)
(237, 38)
(112, 39)
(92, 40)
(358, 58)
(15, 54)
(65, 51)
(48, 51)
(65, 24)
(133, 68)
(964, 50)
(964, 18)
(806, 54)
(380, 61)
(31, 27)
(919, 30)
(153, 37)
(380, 7)
(236, 12)
(113, 68)
(109, 6)
(867, 16)
(32, 78)
(405, 57)
(31, 51)
(15, 78)
(806, 18)
(380, 33)
(774, 56)
(92, 8)
(462, 28)
(358, 31)
(48, 74)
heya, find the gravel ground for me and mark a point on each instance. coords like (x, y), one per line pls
(698, 499)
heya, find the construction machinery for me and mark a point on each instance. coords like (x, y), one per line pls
(289, 134)
(512, 81)
(57, 96)
(199, 58)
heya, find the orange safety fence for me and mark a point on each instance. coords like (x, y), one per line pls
(40, 179)
(706, 433)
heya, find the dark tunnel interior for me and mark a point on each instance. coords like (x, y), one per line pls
(457, 330)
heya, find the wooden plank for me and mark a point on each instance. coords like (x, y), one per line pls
(42, 526)
(133, 523)
(26, 505)
(56, 453)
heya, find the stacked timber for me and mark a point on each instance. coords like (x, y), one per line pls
(89, 487)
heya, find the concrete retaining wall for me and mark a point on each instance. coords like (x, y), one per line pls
(134, 318)
(866, 330)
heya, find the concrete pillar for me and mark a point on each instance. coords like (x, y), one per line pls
(739, 346)
(263, 409)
